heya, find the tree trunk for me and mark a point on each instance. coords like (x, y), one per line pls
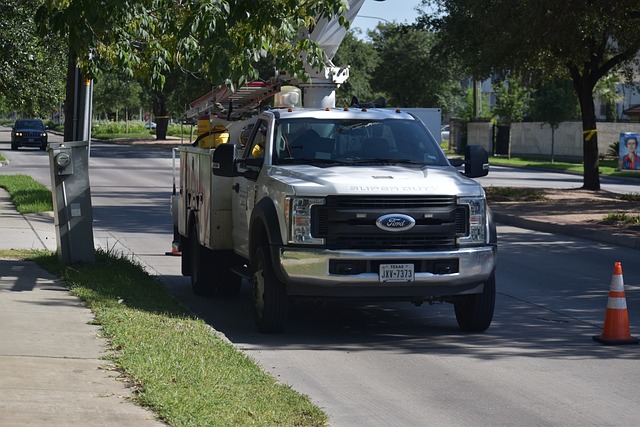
(591, 177)
(161, 113)
(553, 142)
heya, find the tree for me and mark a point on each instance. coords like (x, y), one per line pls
(511, 100)
(31, 66)
(606, 91)
(362, 59)
(220, 41)
(408, 70)
(114, 93)
(554, 103)
(466, 110)
(582, 40)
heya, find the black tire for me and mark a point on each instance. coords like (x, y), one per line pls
(201, 283)
(210, 271)
(270, 302)
(14, 146)
(185, 260)
(474, 313)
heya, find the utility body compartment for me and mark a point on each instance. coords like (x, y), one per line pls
(206, 198)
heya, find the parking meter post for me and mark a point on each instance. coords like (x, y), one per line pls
(69, 165)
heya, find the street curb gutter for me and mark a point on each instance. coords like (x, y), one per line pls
(582, 231)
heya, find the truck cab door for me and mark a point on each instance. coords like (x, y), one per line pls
(245, 185)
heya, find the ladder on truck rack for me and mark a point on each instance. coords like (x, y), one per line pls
(224, 103)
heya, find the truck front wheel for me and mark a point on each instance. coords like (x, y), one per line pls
(474, 313)
(269, 294)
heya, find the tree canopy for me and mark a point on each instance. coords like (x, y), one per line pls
(31, 67)
(582, 40)
(362, 59)
(409, 71)
(222, 41)
(511, 100)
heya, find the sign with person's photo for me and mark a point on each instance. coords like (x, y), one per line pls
(628, 152)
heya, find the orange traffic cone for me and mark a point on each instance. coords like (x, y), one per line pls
(175, 251)
(616, 322)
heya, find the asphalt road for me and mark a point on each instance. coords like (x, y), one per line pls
(396, 364)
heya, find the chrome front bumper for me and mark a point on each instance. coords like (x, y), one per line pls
(303, 269)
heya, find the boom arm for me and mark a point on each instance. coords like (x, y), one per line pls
(319, 90)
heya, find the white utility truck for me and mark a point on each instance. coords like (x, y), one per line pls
(322, 202)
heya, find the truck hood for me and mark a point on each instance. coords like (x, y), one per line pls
(360, 180)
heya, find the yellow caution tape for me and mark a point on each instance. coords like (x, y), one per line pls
(589, 134)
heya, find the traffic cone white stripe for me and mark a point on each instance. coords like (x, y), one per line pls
(616, 319)
(617, 283)
(617, 303)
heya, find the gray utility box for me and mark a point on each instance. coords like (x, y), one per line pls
(69, 164)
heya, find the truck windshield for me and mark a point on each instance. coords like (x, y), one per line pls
(308, 140)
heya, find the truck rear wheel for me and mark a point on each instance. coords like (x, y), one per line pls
(201, 283)
(210, 270)
(474, 313)
(269, 294)
(185, 259)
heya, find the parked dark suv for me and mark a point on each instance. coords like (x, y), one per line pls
(29, 133)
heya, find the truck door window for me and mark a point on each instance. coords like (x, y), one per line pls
(257, 146)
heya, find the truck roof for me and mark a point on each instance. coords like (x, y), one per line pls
(343, 113)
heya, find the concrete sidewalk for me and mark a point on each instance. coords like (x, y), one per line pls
(52, 367)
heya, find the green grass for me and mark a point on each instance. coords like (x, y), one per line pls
(134, 135)
(134, 130)
(622, 218)
(631, 197)
(607, 167)
(178, 366)
(27, 194)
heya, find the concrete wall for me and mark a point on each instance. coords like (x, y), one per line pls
(534, 139)
(482, 134)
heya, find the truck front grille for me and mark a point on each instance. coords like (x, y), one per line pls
(349, 222)
(32, 135)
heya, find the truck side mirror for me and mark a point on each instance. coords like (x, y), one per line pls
(476, 162)
(223, 162)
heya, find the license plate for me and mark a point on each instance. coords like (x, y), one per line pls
(30, 140)
(396, 272)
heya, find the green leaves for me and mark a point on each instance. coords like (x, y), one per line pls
(220, 40)
(31, 66)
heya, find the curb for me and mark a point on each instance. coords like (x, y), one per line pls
(581, 231)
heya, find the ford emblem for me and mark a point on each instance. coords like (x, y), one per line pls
(395, 222)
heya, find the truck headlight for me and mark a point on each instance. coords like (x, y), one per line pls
(298, 218)
(477, 221)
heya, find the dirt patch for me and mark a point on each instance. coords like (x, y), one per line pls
(566, 206)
